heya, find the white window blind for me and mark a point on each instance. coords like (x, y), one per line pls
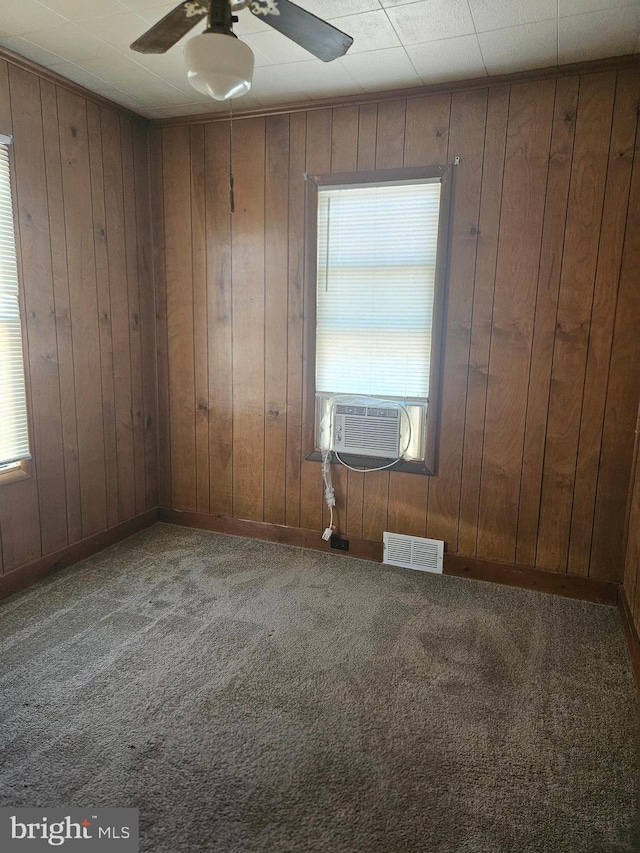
(14, 434)
(375, 288)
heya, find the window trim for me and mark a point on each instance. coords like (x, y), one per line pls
(432, 419)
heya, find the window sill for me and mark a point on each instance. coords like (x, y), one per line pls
(375, 462)
(15, 475)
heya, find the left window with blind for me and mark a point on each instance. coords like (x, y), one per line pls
(14, 432)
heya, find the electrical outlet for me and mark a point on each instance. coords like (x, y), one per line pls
(339, 543)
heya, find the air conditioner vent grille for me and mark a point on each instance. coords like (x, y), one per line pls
(413, 552)
(367, 431)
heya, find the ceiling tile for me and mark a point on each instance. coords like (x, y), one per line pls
(274, 84)
(119, 31)
(612, 32)
(27, 16)
(137, 5)
(128, 101)
(430, 20)
(380, 70)
(577, 7)
(73, 71)
(277, 48)
(370, 31)
(496, 14)
(323, 79)
(130, 77)
(336, 8)
(72, 43)
(81, 10)
(390, 3)
(520, 48)
(25, 48)
(448, 59)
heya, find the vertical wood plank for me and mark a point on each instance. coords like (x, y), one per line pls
(426, 136)
(219, 316)
(247, 230)
(81, 267)
(116, 246)
(466, 139)
(559, 173)
(160, 296)
(344, 139)
(32, 211)
(135, 322)
(275, 316)
(6, 123)
(408, 494)
(354, 504)
(367, 136)
(295, 314)
(104, 311)
(584, 217)
(62, 308)
(390, 134)
(482, 315)
(632, 556)
(607, 275)
(178, 271)
(525, 177)
(200, 315)
(141, 166)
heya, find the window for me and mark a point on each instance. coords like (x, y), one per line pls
(14, 434)
(378, 243)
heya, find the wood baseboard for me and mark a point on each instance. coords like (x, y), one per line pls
(297, 536)
(28, 574)
(631, 635)
(570, 586)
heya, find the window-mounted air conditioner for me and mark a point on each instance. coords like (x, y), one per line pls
(366, 430)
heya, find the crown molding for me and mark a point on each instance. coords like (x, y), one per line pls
(51, 76)
(616, 63)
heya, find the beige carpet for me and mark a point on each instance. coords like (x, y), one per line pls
(253, 697)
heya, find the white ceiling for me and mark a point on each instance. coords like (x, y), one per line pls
(397, 44)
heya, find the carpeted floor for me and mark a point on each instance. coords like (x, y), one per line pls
(252, 697)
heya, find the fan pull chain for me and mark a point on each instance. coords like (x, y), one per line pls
(232, 199)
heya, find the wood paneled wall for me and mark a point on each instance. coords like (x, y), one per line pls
(632, 561)
(542, 355)
(84, 253)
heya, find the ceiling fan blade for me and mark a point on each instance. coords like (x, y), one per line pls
(172, 27)
(317, 36)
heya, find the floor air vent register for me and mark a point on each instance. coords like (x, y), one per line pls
(413, 552)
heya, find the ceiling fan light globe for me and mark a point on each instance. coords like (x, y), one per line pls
(219, 65)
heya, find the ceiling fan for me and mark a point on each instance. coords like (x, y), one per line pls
(218, 63)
